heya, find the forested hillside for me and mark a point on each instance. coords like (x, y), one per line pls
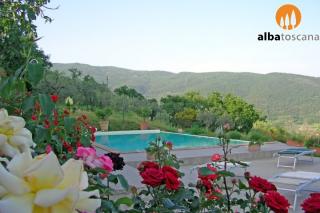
(279, 96)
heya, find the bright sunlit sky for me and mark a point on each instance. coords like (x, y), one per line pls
(180, 35)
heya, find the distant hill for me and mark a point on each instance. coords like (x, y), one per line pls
(278, 95)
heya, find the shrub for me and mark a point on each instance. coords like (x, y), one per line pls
(234, 135)
(144, 112)
(275, 132)
(103, 113)
(297, 137)
(258, 136)
(116, 125)
(196, 130)
(312, 142)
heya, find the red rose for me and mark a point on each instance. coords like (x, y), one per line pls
(46, 124)
(259, 184)
(54, 98)
(78, 143)
(103, 176)
(34, 117)
(152, 177)
(211, 168)
(213, 194)
(171, 177)
(215, 157)
(55, 122)
(276, 202)
(147, 164)
(312, 204)
(172, 182)
(211, 177)
(206, 182)
(169, 145)
(169, 169)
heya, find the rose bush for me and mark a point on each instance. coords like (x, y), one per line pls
(40, 183)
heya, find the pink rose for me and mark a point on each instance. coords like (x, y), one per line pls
(85, 152)
(104, 162)
(48, 148)
(91, 159)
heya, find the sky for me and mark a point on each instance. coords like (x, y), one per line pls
(180, 35)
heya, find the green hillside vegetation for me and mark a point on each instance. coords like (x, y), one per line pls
(127, 109)
(282, 97)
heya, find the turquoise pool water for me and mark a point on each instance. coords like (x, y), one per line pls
(139, 141)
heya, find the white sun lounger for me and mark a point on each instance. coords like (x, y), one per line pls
(296, 181)
(293, 153)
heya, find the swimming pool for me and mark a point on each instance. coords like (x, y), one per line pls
(137, 141)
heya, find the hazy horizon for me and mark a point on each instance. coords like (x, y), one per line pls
(180, 36)
(184, 71)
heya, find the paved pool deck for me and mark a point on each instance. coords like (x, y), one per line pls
(197, 156)
(261, 164)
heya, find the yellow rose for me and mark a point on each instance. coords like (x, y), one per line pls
(14, 138)
(69, 101)
(41, 185)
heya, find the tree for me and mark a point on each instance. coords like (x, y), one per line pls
(196, 101)
(144, 112)
(130, 92)
(75, 73)
(207, 119)
(186, 117)
(22, 64)
(174, 104)
(154, 106)
(243, 114)
(18, 33)
(215, 103)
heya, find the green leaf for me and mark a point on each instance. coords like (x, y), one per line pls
(242, 185)
(133, 211)
(226, 173)
(85, 140)
(107, 204)
(28, 104)
(168, 203)
(42, 134)
(195, 203)
(125, 201)
(69, 123)
(123, 182)
(46, 104)
(113, 178)
(34, 73)
(204, 171)
(144, 192)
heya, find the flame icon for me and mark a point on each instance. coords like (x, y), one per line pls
(288, 17)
